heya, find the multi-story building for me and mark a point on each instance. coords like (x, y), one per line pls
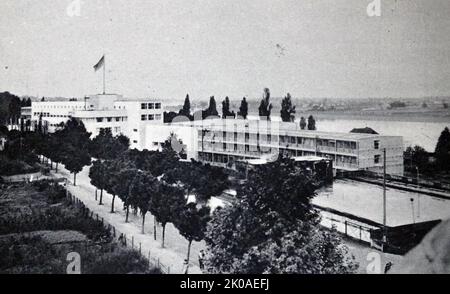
(129, 117)
(224, 142)
(53, 113)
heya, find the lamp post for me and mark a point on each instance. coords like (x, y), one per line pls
(412, 210)
(384, 196)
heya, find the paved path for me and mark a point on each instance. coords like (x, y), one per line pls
(175, 249)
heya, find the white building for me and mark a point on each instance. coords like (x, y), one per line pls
(129, 117)
(224, 142)
(53, 113)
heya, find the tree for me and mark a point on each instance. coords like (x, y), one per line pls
(203, 180)
(75, 159)
(243, 109)
(226, 113)
(287, 109)
(186, 110)
(75, 141)
(311, 123)
(418, 157)
(442, 150)
(274, 228)
(98, 176)
(169, 116)
(142, 188)
(211, 110)
(56, 152)
(14, 108)
(105, 146)
(302, 123)
(117, 182)
(167, 205)
(265, 107)
(122, 183)
(191, 223)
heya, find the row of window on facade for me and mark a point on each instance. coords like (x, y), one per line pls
(290, 140)
(111, 119)
(116, 129)
(60, 106)
(151, 117)
(150, 105)
(46, 114)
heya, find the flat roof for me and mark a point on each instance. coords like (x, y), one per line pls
(281, 128)
(138, 100)
(309, 158)
(265, 160)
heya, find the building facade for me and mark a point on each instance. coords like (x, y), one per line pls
(225, 141)
(129, 117)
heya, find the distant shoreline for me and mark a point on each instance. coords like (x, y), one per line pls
(430, 117)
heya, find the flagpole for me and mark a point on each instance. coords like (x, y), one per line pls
(104, 74)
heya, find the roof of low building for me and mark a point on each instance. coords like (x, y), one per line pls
(365, 130)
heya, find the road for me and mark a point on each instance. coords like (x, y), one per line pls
(175, 250)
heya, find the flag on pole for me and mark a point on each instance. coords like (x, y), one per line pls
(100, 63)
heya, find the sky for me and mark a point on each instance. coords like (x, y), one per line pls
(235, 48)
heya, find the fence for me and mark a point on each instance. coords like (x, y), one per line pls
(350, 228)
(121, 238)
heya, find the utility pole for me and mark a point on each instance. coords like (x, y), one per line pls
(418, 193)
(384, 196)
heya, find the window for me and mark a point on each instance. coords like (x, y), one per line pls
(109, 119)
(99, 119)
(144, 117)
(157, 105)
(135, 142)
(117, 129)
(155, 144)
(377, 159)
(135, 130)
(224, 145)
(151, 117)
(157, 116)
(144, 106)
(151, 106)
(376, 144)
(117, 118)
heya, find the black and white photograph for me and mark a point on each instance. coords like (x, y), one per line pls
(206, 138)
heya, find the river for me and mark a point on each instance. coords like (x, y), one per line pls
(425, 134)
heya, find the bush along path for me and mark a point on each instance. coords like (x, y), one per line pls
(171, 257)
